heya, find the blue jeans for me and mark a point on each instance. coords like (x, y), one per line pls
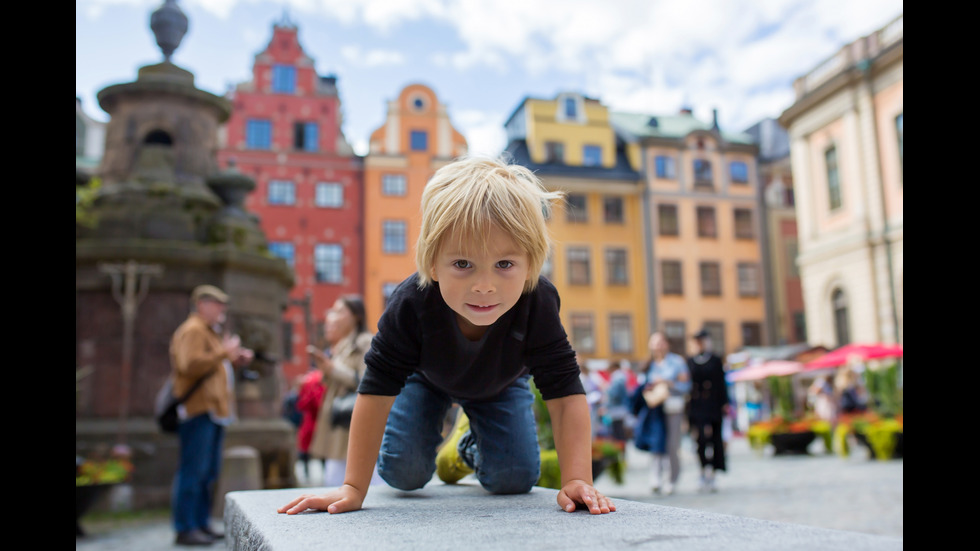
(201, 442)
(502, 446)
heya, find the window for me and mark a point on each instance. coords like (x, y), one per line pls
(670, 276)
(748, 280)
(328, 263)
(591, 155)
(284, 250)
(792, 251)
(578, 266)
(554, 152)
(612, 210)
(739, 172)
(393, 240)
(900, 135)
(707, 227)
(258, 134)
(667, 220)
(577, 211)
(799, 326)
(616, 269)
(702, 173)
(751, 333)
(571, 111)
(676, 333)
(842, 329)
(744, 228)
(833, 178)
(710, 279)
(716, 331)
(283, 79)
(306, 136)
(393, 184)
(665, 167)
(583, 333)
(287, 340)
(620, 334)
(387, 290)
(329, 195)
(419, 140)
(282, 192)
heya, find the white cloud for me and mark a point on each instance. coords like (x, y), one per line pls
(371, 58)
(483, 130)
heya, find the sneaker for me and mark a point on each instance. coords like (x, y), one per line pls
(450, 466)
(194, 538)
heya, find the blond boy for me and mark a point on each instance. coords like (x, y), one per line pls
(471, 326)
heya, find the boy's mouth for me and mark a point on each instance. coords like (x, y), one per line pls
(478, 308)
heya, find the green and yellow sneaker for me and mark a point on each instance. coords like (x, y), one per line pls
(449, 465)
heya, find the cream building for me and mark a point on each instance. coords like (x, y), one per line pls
(846, 136)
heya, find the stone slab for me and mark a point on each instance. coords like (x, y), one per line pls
(465, 516)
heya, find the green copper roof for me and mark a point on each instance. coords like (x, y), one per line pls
(641, 125)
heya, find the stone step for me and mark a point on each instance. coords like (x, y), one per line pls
(464, 516)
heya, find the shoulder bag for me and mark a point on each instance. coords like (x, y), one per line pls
(166, 403)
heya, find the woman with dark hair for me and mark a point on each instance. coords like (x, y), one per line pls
(342, 365)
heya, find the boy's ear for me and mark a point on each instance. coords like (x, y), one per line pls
(432, 274)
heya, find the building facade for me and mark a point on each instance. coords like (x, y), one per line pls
(285, 132)
(416, 139)
(89, 140)
(846, 131)
(597, 263)
(786, 313)
(703, 255)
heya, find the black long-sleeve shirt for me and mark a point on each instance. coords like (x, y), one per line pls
(418, 332)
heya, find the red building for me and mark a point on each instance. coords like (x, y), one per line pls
(285, 133)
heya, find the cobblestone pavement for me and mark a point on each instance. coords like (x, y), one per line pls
(827, 491)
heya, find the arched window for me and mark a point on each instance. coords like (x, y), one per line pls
(158, 137)
(842, 330)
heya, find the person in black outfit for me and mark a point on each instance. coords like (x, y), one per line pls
(708, 405)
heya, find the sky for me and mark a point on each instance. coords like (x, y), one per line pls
(483, 57)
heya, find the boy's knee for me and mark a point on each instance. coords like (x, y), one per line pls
(404, 479)
(510, 481)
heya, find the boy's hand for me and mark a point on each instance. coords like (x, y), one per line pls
(581, 492)
(343, 499)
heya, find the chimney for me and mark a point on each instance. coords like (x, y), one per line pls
(714, 123)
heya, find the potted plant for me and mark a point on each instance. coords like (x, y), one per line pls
(882, 436)
(94, 476)
(787, 431)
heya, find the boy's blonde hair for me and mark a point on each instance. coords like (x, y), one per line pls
(468, 196)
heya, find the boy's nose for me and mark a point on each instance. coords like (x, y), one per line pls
(483, 284)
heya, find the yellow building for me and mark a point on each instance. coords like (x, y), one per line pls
(846, 132)
(702, 202)
(598, 261)
(416, 139)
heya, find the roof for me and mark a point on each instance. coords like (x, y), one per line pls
(519, 154)
(644, 125)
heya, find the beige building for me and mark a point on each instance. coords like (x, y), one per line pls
(704, 256)
(846, 136)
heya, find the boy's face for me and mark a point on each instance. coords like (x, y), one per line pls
(481, 283)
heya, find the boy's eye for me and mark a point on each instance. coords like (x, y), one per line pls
(461, 264)
(504, 264)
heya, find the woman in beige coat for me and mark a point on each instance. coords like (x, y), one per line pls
(342, 370)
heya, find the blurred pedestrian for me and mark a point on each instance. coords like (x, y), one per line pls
(616, 401)
(709, 405)
(820, 396)
(851, 396)
(593, 393)
(666, 367)
(342, 367)
(308, 402)
(200, 350)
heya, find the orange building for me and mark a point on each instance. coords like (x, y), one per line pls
(416, 139)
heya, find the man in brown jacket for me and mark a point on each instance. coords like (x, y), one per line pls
(199, 350)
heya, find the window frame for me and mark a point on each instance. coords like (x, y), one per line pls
(579, 259)
(666, 167)
(328, 261)
(418, 140)
(326, 193)
(700, 167)
(666, 285)
(575, 214)
(394, 236)
(744, 220)
(394, 184)
(285, 250)
(283, 79)
(582, 328)
(706, 267)
(591, 155)
(258, 134)
(707, 221)
(617, 266)
(554, 152)
(742, 175)
(620, 333)
(749, 276)
(672, 230)
(306, 136)
(835, 199)
(676, 333)
(281, 193)
(613, 209)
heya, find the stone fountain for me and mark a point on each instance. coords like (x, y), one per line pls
(167, 220)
